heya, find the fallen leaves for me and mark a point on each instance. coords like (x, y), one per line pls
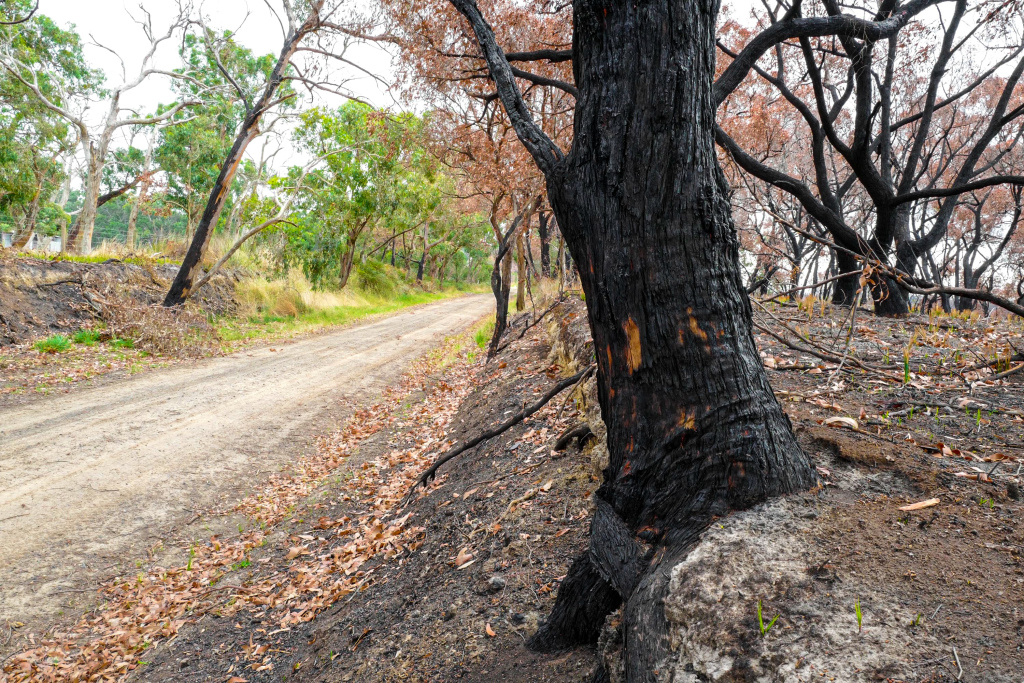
(847, 422)
(489, 631)
(105, 645)
(464, 559)
(931, 502)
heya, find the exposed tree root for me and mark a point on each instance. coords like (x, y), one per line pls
(580, 432)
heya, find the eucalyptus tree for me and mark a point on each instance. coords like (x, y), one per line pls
(315, 28)
(35, 143)
(375, 175)
(895, 127)
(64, 98)
(192, 152)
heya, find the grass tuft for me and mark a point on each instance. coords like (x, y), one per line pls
(86, 337)
(58, 343)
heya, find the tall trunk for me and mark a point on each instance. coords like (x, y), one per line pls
(423, 257)
(249, 130)
(133, 217)
(501, 288)
(347, 259)
(81, 232)
(845, 292)
(693, 428)
(545, 244)
(129, 239)
(521, 272)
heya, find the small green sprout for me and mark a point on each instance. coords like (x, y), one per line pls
(760, 621)
(906, 370)
(191, 556)
(860, 617)
(916, 621)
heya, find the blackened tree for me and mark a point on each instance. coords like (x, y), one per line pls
(895, 126)
(694, 430)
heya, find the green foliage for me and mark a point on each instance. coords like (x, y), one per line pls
(58, 343)
(860, 616)
(378, 279)
(484, 334)
(86, 337)
(34, 140)
(763, 627)
(191, 152)
(122, 343)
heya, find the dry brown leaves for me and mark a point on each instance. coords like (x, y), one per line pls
(139, 612)
(183, 331)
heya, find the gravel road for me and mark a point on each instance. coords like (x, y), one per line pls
(93, 479)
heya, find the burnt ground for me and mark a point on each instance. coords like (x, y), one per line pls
(941, 589)
(43, 297)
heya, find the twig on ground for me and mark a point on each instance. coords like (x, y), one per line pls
(1001, 375)
(431, 472)
(527, 328)
(580, 432)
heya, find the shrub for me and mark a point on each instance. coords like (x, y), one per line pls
(58, 343)
(378, 279)
(86, 337)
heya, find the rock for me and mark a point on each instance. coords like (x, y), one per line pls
(449, 613)
(496, 583)
(1012, 490)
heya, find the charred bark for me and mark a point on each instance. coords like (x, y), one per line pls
(521, 274)
(545, 244)
(846, 288)
(693, 428)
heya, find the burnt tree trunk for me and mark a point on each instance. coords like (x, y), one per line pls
(248, 131)
(846, 288)
(545, 244)
(694, 430)
(521, 274)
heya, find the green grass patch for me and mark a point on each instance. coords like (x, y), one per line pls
(484, 333)
(58, 343)
(121, 343)
(97, 258)
(273, 324)
(86, 337)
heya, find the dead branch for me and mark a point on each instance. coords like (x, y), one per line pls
(431, 472)
(580, 432)
(526, 329)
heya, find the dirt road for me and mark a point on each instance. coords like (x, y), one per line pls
(90, 480)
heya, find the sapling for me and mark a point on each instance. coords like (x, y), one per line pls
(760, 621)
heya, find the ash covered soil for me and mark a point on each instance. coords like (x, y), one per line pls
(349, 585)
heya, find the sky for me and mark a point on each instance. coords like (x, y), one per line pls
(110, 33)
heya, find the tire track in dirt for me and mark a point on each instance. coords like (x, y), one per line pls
(90, 479)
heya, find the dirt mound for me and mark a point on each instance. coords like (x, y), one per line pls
(40, 297)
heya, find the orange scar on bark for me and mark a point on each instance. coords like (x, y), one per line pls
(633, 353)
